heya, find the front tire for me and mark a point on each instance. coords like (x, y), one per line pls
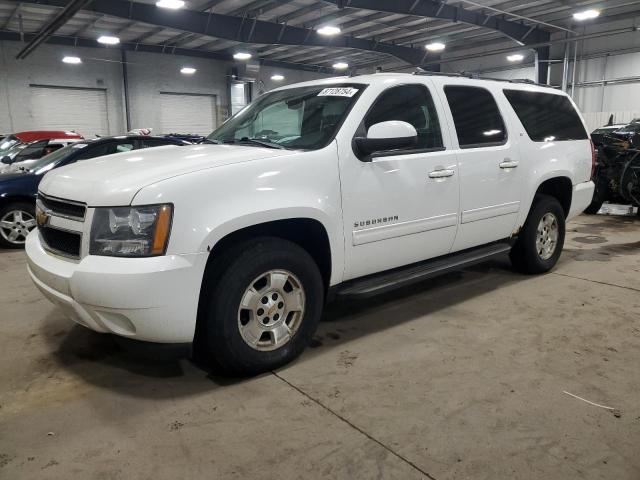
(261, 305)
(16, 221)
(540, 241)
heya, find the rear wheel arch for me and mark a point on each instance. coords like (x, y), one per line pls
(560, 188)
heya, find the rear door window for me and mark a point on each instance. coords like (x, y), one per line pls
(476, 117)
(547, 117)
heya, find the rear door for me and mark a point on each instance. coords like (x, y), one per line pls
(488, 160)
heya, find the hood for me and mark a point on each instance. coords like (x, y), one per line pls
(115, 179)
(13, 176)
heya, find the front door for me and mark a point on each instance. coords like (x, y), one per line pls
(401, 206)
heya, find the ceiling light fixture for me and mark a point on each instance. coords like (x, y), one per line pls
(340, 66)
(242, 56)
(108, 40)
(329, 30)
(277, 77)
(516, 57)
(188, 70)
(586, 15)
(72, 60)
(435, 47)
(172, 4)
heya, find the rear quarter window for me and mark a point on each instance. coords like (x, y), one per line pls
(547, 117)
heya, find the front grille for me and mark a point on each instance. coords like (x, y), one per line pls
(63, 208)
(62, 242)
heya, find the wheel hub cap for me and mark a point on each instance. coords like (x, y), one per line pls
(547, 237)
(271, 310)
(16, 225)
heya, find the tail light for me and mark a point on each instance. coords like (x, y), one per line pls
(593, 160)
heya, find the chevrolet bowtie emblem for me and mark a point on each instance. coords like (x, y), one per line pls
(42, 217)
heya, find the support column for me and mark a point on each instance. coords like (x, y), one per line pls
(543, 55)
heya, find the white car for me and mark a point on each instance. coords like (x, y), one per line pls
(22, 156)
(343, 187)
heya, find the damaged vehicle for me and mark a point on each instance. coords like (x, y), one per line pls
(617, 171)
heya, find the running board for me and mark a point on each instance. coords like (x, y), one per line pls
(400, 277)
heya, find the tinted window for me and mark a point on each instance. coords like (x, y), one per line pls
(154, 142)
(546, 117)
(476, 117)
(32, 151)
(411, 104)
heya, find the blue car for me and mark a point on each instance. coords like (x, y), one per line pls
(19, 186)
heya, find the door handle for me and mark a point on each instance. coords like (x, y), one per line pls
(508, 164)
(441, 173)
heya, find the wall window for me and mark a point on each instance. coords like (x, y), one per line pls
(547, 117)
(476, 117)
(412, 104)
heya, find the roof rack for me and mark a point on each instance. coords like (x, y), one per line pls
(477, 76)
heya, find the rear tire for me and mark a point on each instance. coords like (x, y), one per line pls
(239, 332)
(16, 221)
(539, 244)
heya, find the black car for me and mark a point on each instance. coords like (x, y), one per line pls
(19, 187)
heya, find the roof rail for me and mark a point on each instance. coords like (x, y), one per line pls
(477, 76)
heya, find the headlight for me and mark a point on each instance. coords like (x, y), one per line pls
(131, 231)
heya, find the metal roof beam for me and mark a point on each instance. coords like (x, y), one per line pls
(240, 29)
(130, 46)
(51, 27)
(454, 13)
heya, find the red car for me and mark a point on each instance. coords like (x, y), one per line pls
(10, 141)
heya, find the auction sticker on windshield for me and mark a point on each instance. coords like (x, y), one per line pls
(338, 92)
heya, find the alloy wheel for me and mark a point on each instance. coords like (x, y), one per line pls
(547, 236)
(15, 225)
(271, 310)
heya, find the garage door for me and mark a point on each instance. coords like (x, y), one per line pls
(68, 108)
(187, 113)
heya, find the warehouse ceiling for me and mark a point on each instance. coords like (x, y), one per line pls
(285, 32)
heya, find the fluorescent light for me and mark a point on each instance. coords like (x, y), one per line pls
(74, 60)
(188, 70)
(586, 15)
(329, 30)
(277, 77)
(242, 56)
(516, 57)
(108, 40)
(172, 4)
(435, 47)
(340, 66)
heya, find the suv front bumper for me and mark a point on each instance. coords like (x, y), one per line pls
(153, 299)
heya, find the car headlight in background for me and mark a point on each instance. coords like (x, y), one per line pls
(131, 231)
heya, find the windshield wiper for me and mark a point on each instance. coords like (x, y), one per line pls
(208, 140)
(261, 142)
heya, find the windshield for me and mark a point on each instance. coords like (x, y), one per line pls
(632, 128)
(47, 162)
(7, 143)
(304, 118)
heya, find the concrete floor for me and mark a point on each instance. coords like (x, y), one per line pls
(461, 377)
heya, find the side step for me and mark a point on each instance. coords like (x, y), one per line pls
(399, 277)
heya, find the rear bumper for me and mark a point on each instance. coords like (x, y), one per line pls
(152, 299)
(581, 198)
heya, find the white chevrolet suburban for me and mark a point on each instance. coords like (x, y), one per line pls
(343, 187)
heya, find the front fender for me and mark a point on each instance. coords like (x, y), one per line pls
(211, 204)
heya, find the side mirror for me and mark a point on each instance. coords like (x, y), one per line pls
(6, 160)
(384, 136)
